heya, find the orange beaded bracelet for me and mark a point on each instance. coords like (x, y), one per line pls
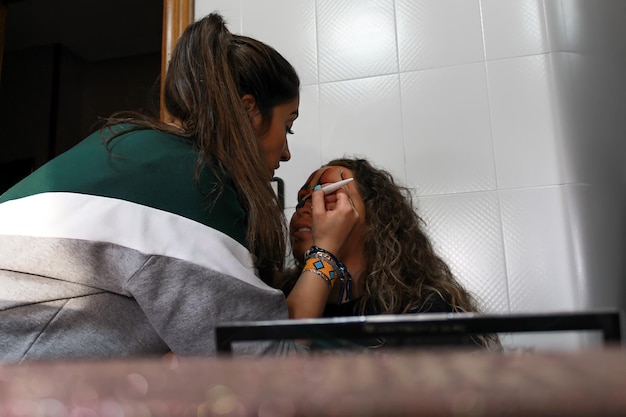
(321, 268)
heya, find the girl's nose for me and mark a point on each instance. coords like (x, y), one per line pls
(285, 155)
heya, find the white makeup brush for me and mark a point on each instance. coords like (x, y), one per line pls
(327, 189)
(335, 186)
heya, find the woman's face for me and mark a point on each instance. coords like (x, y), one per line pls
(301, 222)
(273, 136)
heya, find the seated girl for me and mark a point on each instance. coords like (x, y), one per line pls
(389, 264)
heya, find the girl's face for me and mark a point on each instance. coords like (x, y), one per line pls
(273, 136)
(302, 222)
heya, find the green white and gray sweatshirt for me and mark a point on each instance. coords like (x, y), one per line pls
(117, 254)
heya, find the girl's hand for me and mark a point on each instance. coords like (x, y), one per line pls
(334, 217)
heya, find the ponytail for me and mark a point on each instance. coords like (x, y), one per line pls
(209, 72)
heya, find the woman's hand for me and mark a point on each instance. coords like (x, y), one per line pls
(334, 217)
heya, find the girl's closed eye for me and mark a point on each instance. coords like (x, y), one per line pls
(302, 201)
(305, 192)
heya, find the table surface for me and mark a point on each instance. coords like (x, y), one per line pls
(416, 383)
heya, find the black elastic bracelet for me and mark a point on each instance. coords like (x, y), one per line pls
(313, 249)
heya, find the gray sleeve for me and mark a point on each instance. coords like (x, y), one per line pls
(184, 302)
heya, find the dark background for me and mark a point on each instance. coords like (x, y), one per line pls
(66, 64)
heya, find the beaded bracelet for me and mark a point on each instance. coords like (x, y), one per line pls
(346, 285)
(321, 274)
(323, 269)
(321, 265)
(319, 256)
(315, 252)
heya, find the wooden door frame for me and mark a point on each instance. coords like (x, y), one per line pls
(177, 15)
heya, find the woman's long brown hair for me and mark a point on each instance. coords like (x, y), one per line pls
(209, 72)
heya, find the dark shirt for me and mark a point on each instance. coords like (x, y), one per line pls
(435, 304)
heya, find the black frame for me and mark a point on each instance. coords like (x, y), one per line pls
(405, 325)
(280, 190)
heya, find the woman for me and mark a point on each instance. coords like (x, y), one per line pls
(145, 235)
(393, 268)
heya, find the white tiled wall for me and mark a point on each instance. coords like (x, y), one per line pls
(507, 118)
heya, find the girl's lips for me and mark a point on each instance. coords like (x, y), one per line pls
(300, 230)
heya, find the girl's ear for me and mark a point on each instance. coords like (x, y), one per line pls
(249, 104)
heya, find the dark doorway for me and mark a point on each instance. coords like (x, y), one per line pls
(68, 63)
